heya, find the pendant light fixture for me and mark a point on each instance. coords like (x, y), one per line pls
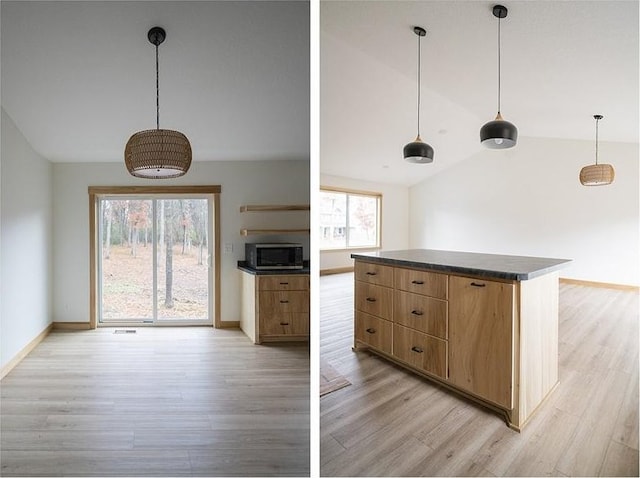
(499, 134)
(597, 174)
(157, 153)
(418, 151)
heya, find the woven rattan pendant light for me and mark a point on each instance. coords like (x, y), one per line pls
(597, 174)
(499, 134)
(157, 153)
(418, 151)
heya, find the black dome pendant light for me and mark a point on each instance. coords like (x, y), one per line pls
(499, 134)
(418, 151)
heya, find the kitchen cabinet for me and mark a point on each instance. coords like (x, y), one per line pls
(275, 307)
(483, 325)
(481, 319)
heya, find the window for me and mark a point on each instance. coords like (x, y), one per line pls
(349, 219)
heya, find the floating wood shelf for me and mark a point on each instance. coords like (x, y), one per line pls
(285, 207)
(250, 232)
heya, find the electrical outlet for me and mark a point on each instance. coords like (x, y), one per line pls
(228, 248)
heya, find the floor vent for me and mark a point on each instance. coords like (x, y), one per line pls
(124, 331)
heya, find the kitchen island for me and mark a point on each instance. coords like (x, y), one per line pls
(484, 325)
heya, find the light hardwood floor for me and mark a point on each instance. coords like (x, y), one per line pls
(162, 402)
(390, 422)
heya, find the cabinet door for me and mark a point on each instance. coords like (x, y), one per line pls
(374, 300)
(374, 273)
(421, 282)
(480, 338)
(420, 350)
(420, 312)
(292, 282)
(289, 301)
(290, 323)
(373, 331)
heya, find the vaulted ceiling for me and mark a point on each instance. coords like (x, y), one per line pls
(78, 77)
(562, 62)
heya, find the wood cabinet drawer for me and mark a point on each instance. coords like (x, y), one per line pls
(422, 282)
(420, 350)
(374, 300)
(293, 282)
(291, 323)
(283, 302)
(374, 273)
(373, 331)
(420, 312)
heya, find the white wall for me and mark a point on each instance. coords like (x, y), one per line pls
(25, 242)
(395, 217)
(243, 182)
(529, 201)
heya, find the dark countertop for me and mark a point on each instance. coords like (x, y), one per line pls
(495, 266)
(242, 265)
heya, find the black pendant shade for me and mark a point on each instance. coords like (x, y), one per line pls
(418, 152)
(499, 134)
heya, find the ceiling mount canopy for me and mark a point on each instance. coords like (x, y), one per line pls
(418, 151)
(499, 133)
(157, 153)
(597, 174)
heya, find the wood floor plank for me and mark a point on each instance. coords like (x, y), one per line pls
(588, 426)
(90, 463)
(620, 460)
(162, 402)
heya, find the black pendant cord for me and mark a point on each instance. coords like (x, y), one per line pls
(597, 119)
(499, 70)
(418, 85)
(157, 92)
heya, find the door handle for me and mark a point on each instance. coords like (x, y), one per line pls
(371, 273)
(417, 282)
(417, 349)
(417, 312)
(371, 331)
(475, 284)
(370, 299)
(284, 323)
(284, 301)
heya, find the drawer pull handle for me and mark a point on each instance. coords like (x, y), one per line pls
(417, 282)
(284, 323)
(417, 349)
(417, 312)
(371, 273)
(475, 284)
(284, 283)
(371, 331)
(370, 299)
(284, 301)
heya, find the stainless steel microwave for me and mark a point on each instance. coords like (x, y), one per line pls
(273, 256)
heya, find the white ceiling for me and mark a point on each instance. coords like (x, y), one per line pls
(562, 62)
(78, 78)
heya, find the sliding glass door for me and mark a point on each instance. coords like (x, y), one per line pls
(155, 260)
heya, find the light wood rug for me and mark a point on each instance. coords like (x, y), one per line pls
(330, 379)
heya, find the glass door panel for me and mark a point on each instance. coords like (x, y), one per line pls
(126, 260)
(183, 259)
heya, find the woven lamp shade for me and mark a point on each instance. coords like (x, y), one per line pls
(158, 154)
(597, 175)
